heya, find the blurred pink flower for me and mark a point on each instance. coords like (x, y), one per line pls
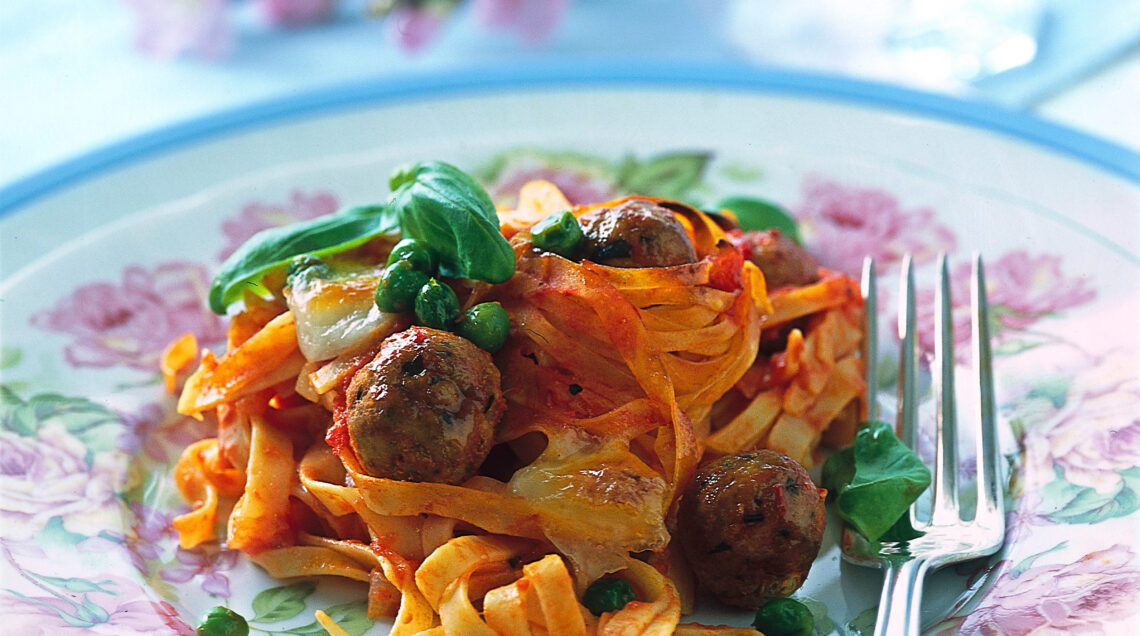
(1021, 290)
(257, 216)
(842, 224)
(295, 12)
(167, 28)
(132, 322)
(1101, 588)
(414, 25)
(533, 20)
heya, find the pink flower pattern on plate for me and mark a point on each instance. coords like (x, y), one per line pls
(161, 433)
(206, 563)
(151, 529)
(48, 477)
(534, 20)
(257, 216)
(108, 605)
(1021, 289)
(295, 12)
(131, 322)
(413, 26)
(1101, 588)
(1096, 435)
(842, 224)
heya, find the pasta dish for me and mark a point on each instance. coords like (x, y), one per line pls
(482, 476)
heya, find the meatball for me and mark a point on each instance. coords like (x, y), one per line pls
(780, 258)
(750, 526)
(635, 233)
(425, 408)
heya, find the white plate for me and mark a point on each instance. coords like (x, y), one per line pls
(107, 258)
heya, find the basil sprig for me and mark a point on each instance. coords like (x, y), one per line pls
(431, 201)
(275, 247)
(441, 205)
(876, 481)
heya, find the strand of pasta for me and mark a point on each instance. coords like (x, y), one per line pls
(269, 357)
(201, 477)
(259, 520)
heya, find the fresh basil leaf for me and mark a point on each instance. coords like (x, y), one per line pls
(888, 478)
(668, 176)
(757, 215)
(441, 205)
(901, 531)
(273, 248)
(838, 471)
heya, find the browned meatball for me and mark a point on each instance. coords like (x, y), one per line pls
(425, 408)
(635, 233)
(751, 525)
(780, 258)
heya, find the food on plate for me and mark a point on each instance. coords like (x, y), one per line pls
(875, 480)
(222, 621)
(783, 261)
(491, 416)
(784, 617)
(425, 408)
(636, 233)
(751, 524)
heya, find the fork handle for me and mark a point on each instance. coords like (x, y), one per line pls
(901, 598)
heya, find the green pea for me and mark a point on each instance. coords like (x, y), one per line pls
(607, 594)
(487, 325)
(417, 252)
(558, 233)
(784, 617)
(222, 621)
(399, 285)
(437, 306)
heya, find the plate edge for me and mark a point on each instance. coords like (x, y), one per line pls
(1058, 138)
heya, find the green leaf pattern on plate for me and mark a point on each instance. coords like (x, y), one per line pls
(281, 603)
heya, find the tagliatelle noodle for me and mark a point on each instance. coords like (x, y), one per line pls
(259, 520)
(269, 357)
(176, 356)
(618, 382)
(792, 398)
(202, 477)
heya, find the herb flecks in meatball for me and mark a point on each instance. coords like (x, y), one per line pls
(635, 233)
(750, 525)
(783, 261)
(425, 408)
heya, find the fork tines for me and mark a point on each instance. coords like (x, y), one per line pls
(947, 537)
(945, 488)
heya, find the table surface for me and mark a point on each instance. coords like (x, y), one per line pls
(74, 81)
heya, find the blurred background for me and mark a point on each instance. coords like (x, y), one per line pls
(77, 75)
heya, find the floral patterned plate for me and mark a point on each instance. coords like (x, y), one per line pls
(108, 258)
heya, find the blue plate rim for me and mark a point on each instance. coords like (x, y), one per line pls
(1108, 156)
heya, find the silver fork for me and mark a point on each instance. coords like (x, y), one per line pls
(947, 536)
